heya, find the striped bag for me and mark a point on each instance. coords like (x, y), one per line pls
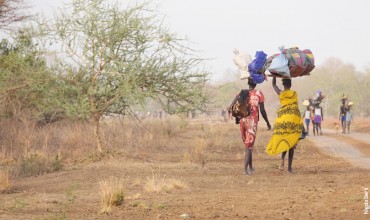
(300, 62)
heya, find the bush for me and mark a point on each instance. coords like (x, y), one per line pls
(112, 194)
(36, 163)
(5, 183)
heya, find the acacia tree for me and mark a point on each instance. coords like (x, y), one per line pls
(26, 83)
(11, 11)
(123, 56)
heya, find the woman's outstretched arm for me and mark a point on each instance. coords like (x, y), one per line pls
(277, 90)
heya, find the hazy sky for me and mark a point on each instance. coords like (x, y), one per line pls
(329, 28)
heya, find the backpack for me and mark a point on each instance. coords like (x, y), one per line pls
(239, 107)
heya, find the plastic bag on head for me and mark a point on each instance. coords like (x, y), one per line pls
(279, 64)
(241, 60)
(244, 74)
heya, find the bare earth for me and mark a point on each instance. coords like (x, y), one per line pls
(331, 172)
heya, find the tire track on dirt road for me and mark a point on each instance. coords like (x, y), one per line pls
(331, 146)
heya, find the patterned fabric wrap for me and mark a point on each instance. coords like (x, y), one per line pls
(248, 125)
(310, 61)
(300, 62)
(287, 126)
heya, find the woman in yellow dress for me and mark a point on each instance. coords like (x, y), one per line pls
(288, 125)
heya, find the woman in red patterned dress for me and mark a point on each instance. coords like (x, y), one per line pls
(248, 125)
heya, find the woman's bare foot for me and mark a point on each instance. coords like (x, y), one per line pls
(281, 167)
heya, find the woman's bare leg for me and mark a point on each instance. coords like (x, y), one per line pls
(248, 161)
(290, 159)
(281, 167)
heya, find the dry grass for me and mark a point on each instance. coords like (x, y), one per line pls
(176, 184)
(155, 184)
(5, 183)
(136, 182)
(112, 194)
(186, 157)
(239, 156)
(51, 146)
(198, 153)
(140, 204)
(159, 184)
(66, 142)
(134, 197)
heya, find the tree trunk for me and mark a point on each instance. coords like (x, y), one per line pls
(99, 142)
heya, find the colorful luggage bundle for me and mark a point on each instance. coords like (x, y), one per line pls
(257, 67)
(316, 101)
(241, 60)
(300, 62)
(278, 64)
(291, 62)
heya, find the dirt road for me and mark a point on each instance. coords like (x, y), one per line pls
(344, 146)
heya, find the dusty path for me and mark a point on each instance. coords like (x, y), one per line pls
(343, 145)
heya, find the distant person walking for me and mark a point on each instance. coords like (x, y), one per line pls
(318, 119)
(307, 118)
(288, 125)
(313, 119)
(342, 114)
(248, 125)
(348, 119)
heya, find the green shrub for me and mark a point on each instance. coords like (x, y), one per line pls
(36, 163)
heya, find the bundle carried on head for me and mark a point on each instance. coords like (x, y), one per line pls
(242, 60)
(248, 68)
(319, 95)
(316, 101)
(257, 67)
(306, 102)
(291, 62)
(345, 100)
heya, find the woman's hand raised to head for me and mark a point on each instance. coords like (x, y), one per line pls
(277, 90)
